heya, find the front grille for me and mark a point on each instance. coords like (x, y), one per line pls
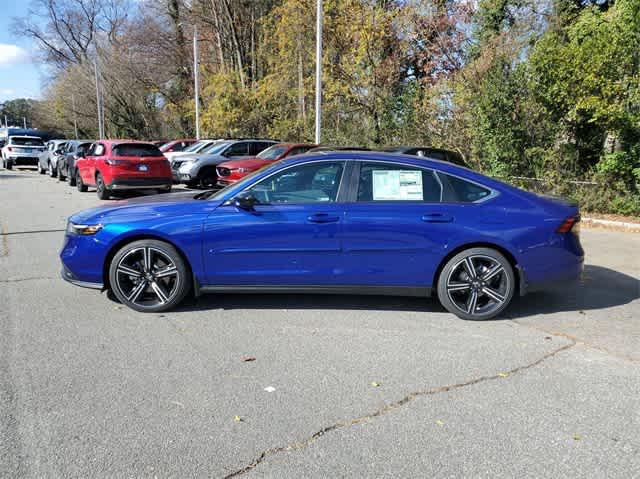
(224, 171)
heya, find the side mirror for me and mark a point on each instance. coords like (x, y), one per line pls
(81, 154)
(246, 203)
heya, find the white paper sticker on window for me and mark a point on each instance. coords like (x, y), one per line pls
(397, 185)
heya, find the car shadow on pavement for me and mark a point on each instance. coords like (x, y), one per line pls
(600, 288)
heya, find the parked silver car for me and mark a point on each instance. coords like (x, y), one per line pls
(48, 160)
(200, 170)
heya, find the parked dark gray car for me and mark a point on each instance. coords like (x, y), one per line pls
(67, 166)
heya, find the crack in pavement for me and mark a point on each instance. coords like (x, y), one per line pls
(576, 340)
(390, 407)
(5, 241)
(4, 233)
(19, 280)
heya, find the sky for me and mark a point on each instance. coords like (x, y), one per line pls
(19, 76)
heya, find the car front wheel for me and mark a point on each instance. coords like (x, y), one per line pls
(476, 284)
(149, 276)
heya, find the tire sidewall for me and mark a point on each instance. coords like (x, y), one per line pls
(444, 274)
(185, 276)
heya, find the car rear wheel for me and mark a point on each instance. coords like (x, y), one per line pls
(101, 188)
(149, 276)
(71, 179)
(476, 284)
(79, 184)
(51, 170)
(41, 170)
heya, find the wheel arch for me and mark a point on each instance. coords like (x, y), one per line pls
(130, 239)
(518, 273)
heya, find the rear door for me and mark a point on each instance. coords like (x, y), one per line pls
(396, 228)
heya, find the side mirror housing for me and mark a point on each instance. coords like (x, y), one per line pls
(246, 203)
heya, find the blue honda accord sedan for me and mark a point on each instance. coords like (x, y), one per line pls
(332, 222)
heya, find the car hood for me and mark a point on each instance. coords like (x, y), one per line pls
(253, 163)
(145, 208)
(210, 159)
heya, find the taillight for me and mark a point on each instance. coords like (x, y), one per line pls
(9, 148)
(117, 162)
(570, 224)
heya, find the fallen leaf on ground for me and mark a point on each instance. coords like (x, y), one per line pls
(577, 437)
(238, 419)
(440, 423)
(248, 359)
(503, 375)
(375, 384)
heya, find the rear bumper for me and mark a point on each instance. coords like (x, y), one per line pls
(561, 277)
(24, 160)
(140, 183)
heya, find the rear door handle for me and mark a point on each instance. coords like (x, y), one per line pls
(437, 218)
(323, 218)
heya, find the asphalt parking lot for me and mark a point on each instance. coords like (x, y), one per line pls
(355, 386)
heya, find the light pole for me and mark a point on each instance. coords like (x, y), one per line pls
(196, 75)
(318, 69)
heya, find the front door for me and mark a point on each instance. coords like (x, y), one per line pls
(289, 234)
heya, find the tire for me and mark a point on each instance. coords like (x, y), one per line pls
(61, 176)
(53, 173)
(41, 170)
(492, 282)
(82, 188)
(71, 179)
(207, 178)
(101, 188)
(143, 290)
(164, 190)
(8, 165)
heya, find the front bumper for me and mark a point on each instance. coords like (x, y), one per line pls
(140, 184)
(226, 182)
(70, 277)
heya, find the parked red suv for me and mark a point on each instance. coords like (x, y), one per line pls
(176, 145)
(231, 171)
(118, 165)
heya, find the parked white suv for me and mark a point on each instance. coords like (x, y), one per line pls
(22, 150)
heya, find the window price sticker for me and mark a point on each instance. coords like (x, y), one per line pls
(396, 185)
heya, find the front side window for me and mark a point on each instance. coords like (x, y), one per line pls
(393, 182)
(309, 183)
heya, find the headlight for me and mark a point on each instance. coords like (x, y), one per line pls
(82, 230)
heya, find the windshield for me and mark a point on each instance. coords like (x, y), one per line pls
(238, 186)
(24, 141)
(272, 153)
(214, 148)
(196, 146)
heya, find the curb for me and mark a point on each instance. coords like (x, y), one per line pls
(611, 225)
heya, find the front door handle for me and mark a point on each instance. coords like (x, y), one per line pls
(437, 218)
(323, 218)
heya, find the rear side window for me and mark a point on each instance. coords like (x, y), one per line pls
(457, 190)
(237, 149)
(136, 149)
(393, 182)
(97, 149)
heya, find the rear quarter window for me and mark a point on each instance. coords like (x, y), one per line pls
(457, 190)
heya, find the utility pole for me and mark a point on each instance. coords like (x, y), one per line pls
(75, 118)
(98, 103)
(196, 75)
(318, 69)
(24, 122)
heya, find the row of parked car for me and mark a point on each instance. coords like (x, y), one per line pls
(113, 166)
